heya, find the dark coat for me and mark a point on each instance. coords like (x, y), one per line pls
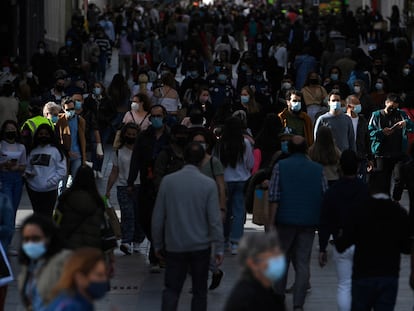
(249, 295)
(80, 220)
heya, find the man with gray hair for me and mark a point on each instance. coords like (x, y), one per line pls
(263, 263)
(51, 111)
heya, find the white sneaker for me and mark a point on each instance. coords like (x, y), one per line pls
(234, 249)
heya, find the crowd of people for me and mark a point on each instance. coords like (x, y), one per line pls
(215, 111)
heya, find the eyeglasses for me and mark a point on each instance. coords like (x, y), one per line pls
(33, 238)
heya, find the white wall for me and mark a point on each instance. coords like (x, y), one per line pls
(57, 21)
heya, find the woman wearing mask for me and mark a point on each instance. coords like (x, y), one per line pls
(203, 104)
(263, 264)
(80, 212)
(119, 94)
(45, 168)
(168, 97)
(128, 203)
(41, 258)
(236, 154)
(325, 152)
(83, 281)
(139, 111)
(252, 108)
(313, 95)
(12, 163)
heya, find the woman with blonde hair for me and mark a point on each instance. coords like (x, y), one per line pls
(325, 152)
(84, 279)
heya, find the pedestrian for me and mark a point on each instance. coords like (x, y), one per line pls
(185, 223)
(325, 152)
(380, 224)
(139, 113)
(313, 95)
(147, 147)
(12, 163)
(80, 212)
(41, 258)
(340, 203)
(295, 118)
(83, 281)
(339, 123)
(295, 212)
(45, 168)
(263, 263)
(132, 234)
(236, 154)
(388, 129)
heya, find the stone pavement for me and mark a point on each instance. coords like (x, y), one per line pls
(134, 288)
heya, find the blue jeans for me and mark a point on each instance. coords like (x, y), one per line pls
(75, 164)
(178, 265)
(128, 204)
(12, 187)
(236, 215)
(378, 293)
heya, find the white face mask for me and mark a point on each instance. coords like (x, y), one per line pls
(357, 89)
(286, 85)
(134, 106)
(29, 75)
(406, 71)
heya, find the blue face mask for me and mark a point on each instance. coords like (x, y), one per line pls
(334, 76)
(157, 122)
(296, 106)
(78, 105)
(276, 268)
(70, 114)
(357, 109)
(222, 77)
(217, 69)
(69, 42)
(97, 91)
(243, 67)
(244, 99)
(335, 105)
(55, 119)
(96, 290)
(34, 250)
(194, 74)
(284, 146)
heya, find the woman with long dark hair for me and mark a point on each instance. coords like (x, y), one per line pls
(325, 152)
(45, 169)
(119, 95)
(41, 260)
(80, 212)
(236, 154)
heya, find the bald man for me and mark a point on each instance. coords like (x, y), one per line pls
(295, 212)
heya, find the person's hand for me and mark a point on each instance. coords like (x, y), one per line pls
(323, 259)
(401, 124)
(223, 215)
(108, 194)
(265, 184)
(387, 131)
(159, 255)
(219, 259)
(370, 166)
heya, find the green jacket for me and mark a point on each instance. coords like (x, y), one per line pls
(376, 135)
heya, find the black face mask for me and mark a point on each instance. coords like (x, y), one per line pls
(10, 135)
(129, 140)
(181, 141)
(59, 88)
(44, 140)
(314, 81)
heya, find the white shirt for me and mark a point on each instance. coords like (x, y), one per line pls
(122, 159)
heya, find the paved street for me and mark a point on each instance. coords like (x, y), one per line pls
(134, 288)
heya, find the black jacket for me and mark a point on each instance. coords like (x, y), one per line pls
(249, 295)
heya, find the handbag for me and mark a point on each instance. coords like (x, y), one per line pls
(109, 240)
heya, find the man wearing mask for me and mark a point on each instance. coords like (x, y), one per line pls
(294, 118)
(71, 131)
(92, 135)
(388, 130)
(147, 148)
(44, 65)
(220, 88)
(360, 126)
(339, 123)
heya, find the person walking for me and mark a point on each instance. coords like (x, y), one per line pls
(388, 129)
(295, 212)
(186, 221)
(340, 202)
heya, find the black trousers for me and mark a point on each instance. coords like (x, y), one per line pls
(178, 265)
(387, 167)
(42, 202)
